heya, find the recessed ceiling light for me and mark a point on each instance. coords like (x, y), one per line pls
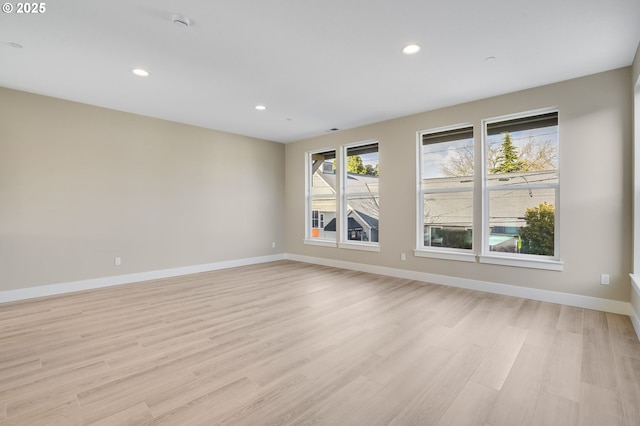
(411, 49)
(261, 107)
(140, 72)
(15, 45)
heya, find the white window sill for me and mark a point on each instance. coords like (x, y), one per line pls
(360, 246)
(550, 265)
(445, 255)
(320, 243)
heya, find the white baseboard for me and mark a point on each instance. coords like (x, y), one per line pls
(633, 313)
(61, 288)
(635, 320)
(606, 305)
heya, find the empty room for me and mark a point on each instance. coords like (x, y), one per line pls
(320, 213)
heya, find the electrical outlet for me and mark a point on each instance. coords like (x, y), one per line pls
(273, 244)
(403, 256)
(117, 261)
(604, 279)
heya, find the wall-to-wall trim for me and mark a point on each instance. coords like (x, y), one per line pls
(633, 314)
(635, 319)
(606, 305)
(61, 288)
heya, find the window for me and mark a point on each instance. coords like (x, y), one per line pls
(522, 186)
(321, 196)
(446, 189)
(360, 199)
(515, 180)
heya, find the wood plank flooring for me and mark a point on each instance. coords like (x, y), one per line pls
(288, 343)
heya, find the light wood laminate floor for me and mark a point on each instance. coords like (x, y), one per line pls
(292, 343)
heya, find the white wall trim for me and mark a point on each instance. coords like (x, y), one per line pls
(635, 320)
(445, 254)
(61, 288)
(606, 305)
(633, 314)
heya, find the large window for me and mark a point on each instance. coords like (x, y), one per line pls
(522, 186)
(321, 196)
(446, 189)
(514, 175)
(343, 197)
(360, 200)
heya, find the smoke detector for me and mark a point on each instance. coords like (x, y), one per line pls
(181, 21)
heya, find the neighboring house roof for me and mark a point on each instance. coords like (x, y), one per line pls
(353, 225)
(456, 208)
(371, 221)
(451, 208)
(365, 206)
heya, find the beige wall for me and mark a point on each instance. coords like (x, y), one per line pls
(635, 88)
(596, 179)
(80, 185)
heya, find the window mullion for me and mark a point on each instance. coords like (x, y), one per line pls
(518, 187)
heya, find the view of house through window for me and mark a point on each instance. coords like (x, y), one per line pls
(361, 172)
(522, 184)
(322, 195)
(446, 195)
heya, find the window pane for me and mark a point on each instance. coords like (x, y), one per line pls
(452, 159)
(523, 148)
(539, 177)
(323, 218)
(361, 222)
(322, 191)
(362, 168)
(323, 183)
(447, 164)
(362, 218)
(455, 183)
(522, 221)
(448, 220)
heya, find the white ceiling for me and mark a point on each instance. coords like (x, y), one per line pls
(316, 64)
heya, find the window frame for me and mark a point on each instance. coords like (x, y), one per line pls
(445, 253)
(511, 259)
(343, 238)
(481, 193)
(308, 239)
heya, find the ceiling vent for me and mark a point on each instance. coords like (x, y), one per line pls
(181, 21)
